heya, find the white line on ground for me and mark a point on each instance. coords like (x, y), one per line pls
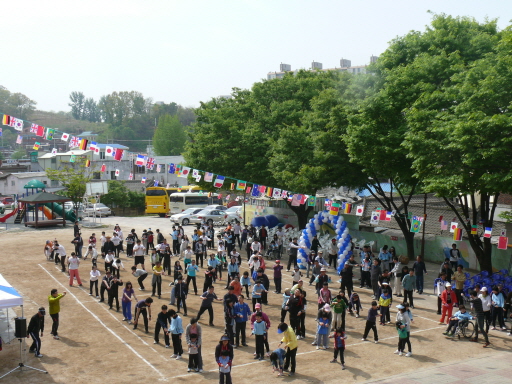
(103, 324)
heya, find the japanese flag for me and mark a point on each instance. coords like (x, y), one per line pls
(185, 171)
(360, 210)
(453, 226)
(117, 172)
(109, 151)
(65, 137)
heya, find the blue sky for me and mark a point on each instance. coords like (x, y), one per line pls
(190, 51)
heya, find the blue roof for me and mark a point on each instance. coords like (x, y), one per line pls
(103, 146)
(386, 187)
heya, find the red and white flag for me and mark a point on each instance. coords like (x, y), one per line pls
(208, 177)
(130, 177)
(143, 180)
(150, 163)
(360, 210)
(117, 172)
(19, 140)
(118, 154)
(33, 128)
(109, 151)
(184, 172)
(74, 142)
(103, 168)
(158, 167)
(284, 195)
(141, 160)
(453, 226)
(65, 137)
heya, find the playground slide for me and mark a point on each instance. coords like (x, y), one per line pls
(57, 208)
(4, 218)
(47, 212)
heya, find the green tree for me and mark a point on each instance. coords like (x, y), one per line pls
(459, 121)
(19, 154)
(16, 104)
(77, 104)
(170, 136)
(74, 177)
(117, 195)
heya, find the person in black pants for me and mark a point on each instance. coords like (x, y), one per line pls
(291, 347)
(106, 283)
(180, 293)
(35, 326)
(162, 322)
(208, 298)
(113, 293)
(200, 250)
(142, 308)
(371, 321)
(141, 275)
(292, 256)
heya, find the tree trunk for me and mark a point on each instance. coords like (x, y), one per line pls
(302, 213)
(408, 236)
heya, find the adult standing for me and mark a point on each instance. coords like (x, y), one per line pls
(242, 313)
(138, 252)
(237, 230)
(73, 264)
(36, 326)
(176, 330)
(193, 328)
(78, 241)
(105, 285)
(109, 259)
(108, 246)
(292, 253)
(192, 270)
(384, 257)
(419, 267)
(180, 294)
(460, 279)
(54, 309)
(278, 275)
(225, 347)
(200, 250)
(375, 273)
(126, 301)
(206, 304)
(408, 283)
(94, 275)
(448, 299)
(60, 254)
(162, 321)
(333, 251)
(480, 318)
(76, 229)
(290, 344)
(117, 244)
(455, 256)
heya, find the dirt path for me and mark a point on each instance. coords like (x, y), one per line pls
(97, 345)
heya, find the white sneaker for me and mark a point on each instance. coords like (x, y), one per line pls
(179, 357)
(313, 343)
(408, 354)
(56, 337)
(124, 319)
(39, 355)
(400, 353)
(129, 322)
(200, 371)
(173, 356)
(167, 346)
(90, 294)
(317, 347)
(189, 369)
(509, 334)
(376, 341)
(156, 342)
(504, 328)
(363, 339)
(397, 352)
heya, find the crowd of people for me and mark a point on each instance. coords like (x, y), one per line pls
(247, 292)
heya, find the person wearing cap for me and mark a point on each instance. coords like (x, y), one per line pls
(485, 298)
(54, 309)
(321, 260)
(35, 326)
(278, 276)
(476, 303)
(224, 349)
(321, 279)
(440, 288)
(448, 299)
(291, 345)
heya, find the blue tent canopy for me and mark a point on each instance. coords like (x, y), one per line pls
(9, 297)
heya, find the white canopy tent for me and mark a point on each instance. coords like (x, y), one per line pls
(9, 298)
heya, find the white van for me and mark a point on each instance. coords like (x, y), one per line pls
(180, 201)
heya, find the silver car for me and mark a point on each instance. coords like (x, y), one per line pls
(209, 216)
(183, 218)
(235, 213)
(99, 209)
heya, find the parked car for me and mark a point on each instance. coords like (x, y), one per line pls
(8, 200)
(235, 213)
(99, 209)
(209, 216)
(69, 206)
(183, 218)
(218, 207)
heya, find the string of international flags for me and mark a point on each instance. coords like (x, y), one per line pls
(256, 190)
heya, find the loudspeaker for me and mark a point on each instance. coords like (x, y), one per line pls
(20, 327)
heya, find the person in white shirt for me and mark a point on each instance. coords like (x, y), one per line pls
(91, 251)
(117, 265)
(256, 246)
(93, 280)
(138, 252)
(237, 229)
(440, 287)
(119, 232)
(116, 240)
(109, 259)
(103, 240)
(184, 244)
(236, 255)
(73, 264)
(60, 255)
(254, 262)
(486, 306)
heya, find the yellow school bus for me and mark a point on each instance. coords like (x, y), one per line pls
(157, 198)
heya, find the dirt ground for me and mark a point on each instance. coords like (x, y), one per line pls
(96, 345)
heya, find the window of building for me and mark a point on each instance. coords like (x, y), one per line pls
(53, 160)
(45, 182)
(113, 175)
(13, 183)
(102, 155)
(96, 175)
(54, 183)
